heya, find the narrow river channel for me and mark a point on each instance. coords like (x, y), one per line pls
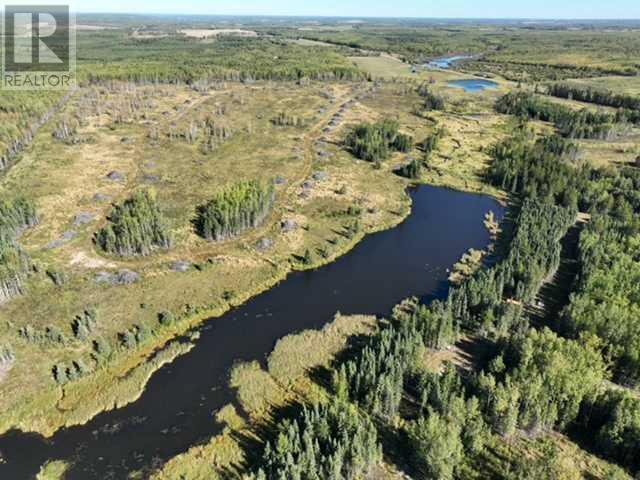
(176, 410)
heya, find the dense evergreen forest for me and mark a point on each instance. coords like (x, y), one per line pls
(239, 207)
(535, 379)
(492, 299)
(613, 421)
(136, 227)
(606, 299)
(538, 168)
(326, 441)
(15, 216)
(570, 123)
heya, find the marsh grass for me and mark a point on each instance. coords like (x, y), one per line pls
(53, 470)
(223, 274)
(268, 396)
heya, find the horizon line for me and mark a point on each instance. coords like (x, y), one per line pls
(356, 17)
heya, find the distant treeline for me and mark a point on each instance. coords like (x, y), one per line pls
(592, 95)
(114, 56)
(15, 216)
(522, 71)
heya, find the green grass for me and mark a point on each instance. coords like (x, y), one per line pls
(53, 470)
(294, 356)
(628, 85)
(568, 461)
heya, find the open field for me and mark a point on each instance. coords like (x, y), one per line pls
(388, 67)
(78, 186)
(182, 178)
(470, 124)
(215, 32)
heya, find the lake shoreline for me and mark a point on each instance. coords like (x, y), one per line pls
(205, 326)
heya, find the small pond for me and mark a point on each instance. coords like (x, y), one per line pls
(446, 62)
(473, 85)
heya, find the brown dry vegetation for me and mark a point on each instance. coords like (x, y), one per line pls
(114, 135)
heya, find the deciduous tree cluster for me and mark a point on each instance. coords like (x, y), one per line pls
(235, 209)
(136, 227)
(375, 142)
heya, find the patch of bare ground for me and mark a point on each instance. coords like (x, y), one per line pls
(215, 32)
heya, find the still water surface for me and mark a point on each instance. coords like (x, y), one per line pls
(473, 85)
(176, 409)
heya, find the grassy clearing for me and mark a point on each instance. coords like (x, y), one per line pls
(623, 150)
(628, 85)
(620, 150)
(470, 128)
(473, 127)
(383, 66)
(388, 67)
(222, 274)
(294, 356)
(566, 460)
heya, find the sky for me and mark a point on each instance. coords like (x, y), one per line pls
(540, 9)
